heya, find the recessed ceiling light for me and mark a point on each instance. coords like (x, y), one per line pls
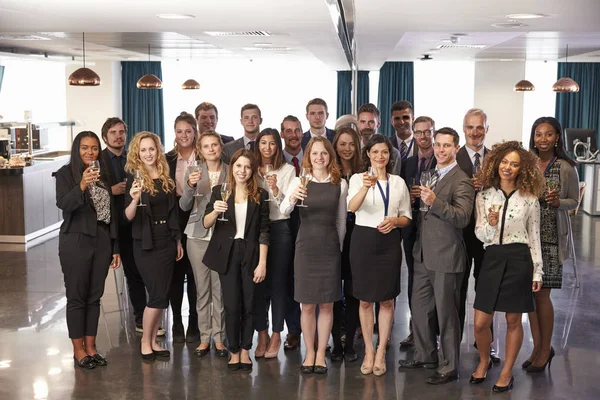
(263, 44)
(525, 16)
(508, 25)
(175, 16)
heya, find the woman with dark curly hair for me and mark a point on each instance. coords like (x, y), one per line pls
(508, 224)
(560, 196)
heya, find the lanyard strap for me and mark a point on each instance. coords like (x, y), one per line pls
(386, 196)
(410, 147)
(549, 165)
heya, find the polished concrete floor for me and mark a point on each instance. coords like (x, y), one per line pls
(36, 356)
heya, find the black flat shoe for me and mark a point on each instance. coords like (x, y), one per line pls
(337, 354)
(99, 360)
(477, 381)
(201, 352)
(320, 369)
(534, 368)
(148, 357)
(246, 366)
(307, 369)
(440, 379)
(500, 389)
(413, 364)
(161, 353)
(86, 362)
(233, 367)
(350, 355)
(222, 352)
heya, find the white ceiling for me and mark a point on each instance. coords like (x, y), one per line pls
(386, 30)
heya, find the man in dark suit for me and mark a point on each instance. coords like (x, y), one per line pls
(470, 158)
(207, 117)
(369, 120)
(402, 121)
(412, 167)
(440, 259)
(317, 114)
(250, 119)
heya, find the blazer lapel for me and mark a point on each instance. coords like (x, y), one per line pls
(443, 182)
(463, 159)
(252, 207)
(231, 208)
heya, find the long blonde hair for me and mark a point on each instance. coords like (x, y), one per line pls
(333, 167)
(135, 163)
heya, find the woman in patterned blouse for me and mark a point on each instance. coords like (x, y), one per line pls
(508, 224)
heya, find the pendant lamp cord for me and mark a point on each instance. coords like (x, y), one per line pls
(83, 49)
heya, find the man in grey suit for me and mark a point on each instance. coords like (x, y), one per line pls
(440, 259)
(250, 119)
(369, 119)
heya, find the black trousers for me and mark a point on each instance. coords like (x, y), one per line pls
(349, 315)
(292, 315)
(135, 284)
(238, 298)
(475, 253)
(182, 273)
(408, 243)
(85, 262)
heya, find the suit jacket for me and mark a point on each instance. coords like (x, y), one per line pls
(256, 232)
(172, 161)
(396, 162)
(226, 139)
(113, 180)
(410, 167)
(79, 215)
(329, 134)
(439, 245)
(230, 148)
(195, 225)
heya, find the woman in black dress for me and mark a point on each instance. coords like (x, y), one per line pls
(87, 244)
(150, 205)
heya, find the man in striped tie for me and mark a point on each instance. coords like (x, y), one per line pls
(402, 121)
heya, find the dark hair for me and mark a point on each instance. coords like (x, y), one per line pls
(373, 140)
(559, 149)
(252, 187)
(250, 107)
(370, 108)
(402, 105)
(278, 158)
(109, 123)
(290, 118)
(448, 131)
(206, 106)
(76, 163)
(356, 162)
(317, 102)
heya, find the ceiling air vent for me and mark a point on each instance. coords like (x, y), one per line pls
(249, 33)
(23, 37)
(460, 46)
(266, 48)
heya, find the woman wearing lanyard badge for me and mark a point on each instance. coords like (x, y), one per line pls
(381, 202)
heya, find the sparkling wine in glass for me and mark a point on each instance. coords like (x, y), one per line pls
(373, 176)
(225, 193)
(305, 178)
(138, 178)
(425, 180)
(196, 166)
(95, 167)
(269, 171)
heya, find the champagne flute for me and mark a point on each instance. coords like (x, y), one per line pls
(373, 175)
(425, 180)
(552, 185)
(304, 180)
(95, 167)
(139, 178)
(269, 171)
(497, 202)
(225, 193)
(196, 166)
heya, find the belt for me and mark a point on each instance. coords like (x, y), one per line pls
(159, 222)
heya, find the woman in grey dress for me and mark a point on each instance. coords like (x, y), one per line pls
(317, 263)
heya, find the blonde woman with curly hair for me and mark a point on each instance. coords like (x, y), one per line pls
(508, 224)
(151, 206)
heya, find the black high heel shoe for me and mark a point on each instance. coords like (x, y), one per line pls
(533, 368)
(526, 364)
(477, 381)
(86, 362)
(500, 389)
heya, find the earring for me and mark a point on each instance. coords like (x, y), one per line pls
(556, 144)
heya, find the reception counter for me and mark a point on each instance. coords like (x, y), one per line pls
(590, 203)
(28, 200)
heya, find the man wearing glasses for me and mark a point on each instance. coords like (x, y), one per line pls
(402, 121)
(470, 159)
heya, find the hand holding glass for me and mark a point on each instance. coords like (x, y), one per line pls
(373, 174)
(95, 168)
(139, 179)
(269, 171)
(305, 178)
(225, 193)
(425, 181)
(196, 166)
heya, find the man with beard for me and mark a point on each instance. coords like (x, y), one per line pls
(368, 122)
(250, 119)
(114, 135)
(424, 160)
(402, 121)
(207, 117)
(317, 114)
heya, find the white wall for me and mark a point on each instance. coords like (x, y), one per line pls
(494, 83)
(542, 101)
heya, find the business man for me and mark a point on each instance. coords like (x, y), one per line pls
(251, 119)
(402, 121)
(470, 158)
(424, 160)
(207, 117)
(440, 258)
(317, 114)
(369, 120)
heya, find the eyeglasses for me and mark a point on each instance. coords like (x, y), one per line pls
(426, 132)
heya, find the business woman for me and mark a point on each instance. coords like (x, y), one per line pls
(508, 224)
(196, 194)
(347, 148)
(179, 159)
(382, 205)
(317, 260)
(87, 243)
(560, 196)
(275, 176)
(238, 251)
(150, 205)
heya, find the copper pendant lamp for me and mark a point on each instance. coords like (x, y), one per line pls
(84, 76)
(566, 84)
(524, 86)
(190, 84)
(149, 81)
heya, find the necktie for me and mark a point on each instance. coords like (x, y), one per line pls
(477, 163)
(251, 146)
(423, 165)
(435, 176)
(296, 165)
(403, 150)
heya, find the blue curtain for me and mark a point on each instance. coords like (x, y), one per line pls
(581, 109)
(344, 91)
(396, 82)
(1, 76)
(143, 109)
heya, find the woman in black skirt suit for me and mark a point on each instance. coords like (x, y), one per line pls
(87, 244)
(150, 205)
(381, 202)
(508, 224)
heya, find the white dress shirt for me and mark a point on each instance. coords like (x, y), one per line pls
(472, 153)
(285, 175)
(288, 157)
(241, 210)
